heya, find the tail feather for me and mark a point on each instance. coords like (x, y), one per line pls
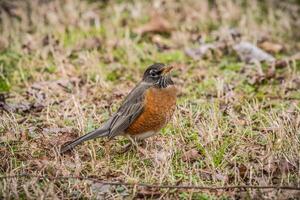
(88, 136)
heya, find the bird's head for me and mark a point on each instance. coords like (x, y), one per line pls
(158, 74)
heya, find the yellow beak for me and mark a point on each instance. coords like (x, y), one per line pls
(167, 69)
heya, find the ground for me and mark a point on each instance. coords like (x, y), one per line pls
(66, 66)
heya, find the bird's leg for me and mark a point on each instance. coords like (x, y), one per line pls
(139, 146)
(134, 143)
(143, 143)
(126, 148)
(129, 146)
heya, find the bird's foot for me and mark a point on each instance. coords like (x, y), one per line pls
(137, 145)
(126, 148)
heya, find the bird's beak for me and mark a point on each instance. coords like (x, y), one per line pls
(167, 69)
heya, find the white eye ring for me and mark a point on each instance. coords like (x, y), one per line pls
(153, 72)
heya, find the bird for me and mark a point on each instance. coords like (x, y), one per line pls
(145, 110)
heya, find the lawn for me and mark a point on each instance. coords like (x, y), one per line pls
(65, 67)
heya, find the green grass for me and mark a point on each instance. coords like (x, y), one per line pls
(9, 69)
(224, 112)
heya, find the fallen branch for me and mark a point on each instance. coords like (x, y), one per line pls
(193, 187)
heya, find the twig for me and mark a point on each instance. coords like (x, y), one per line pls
(194, 187)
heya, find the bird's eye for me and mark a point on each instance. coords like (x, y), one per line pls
(153, 73)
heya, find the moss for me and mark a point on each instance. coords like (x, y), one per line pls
(8, 66)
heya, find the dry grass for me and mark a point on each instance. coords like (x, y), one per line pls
(67, 65)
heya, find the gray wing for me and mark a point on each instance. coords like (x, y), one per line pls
(130, 109)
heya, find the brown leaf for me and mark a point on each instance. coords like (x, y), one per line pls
(157, 24)
(190, 155)
(271, 47)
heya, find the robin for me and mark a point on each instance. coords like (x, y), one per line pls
(145, 110)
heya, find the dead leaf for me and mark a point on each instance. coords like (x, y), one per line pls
(190, 155)
(250, 53)
(271, 47)
(157, 24)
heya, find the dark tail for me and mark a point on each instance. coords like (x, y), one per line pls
(88, 136)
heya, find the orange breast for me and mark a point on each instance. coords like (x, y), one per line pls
(158, 110)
